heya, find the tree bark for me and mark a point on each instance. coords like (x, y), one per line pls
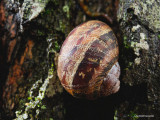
(31, 34)
(140, 59)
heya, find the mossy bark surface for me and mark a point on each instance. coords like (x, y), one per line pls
(140, 59)
(31, 35)
(32, 32)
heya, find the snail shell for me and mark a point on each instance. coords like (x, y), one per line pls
(87, 64)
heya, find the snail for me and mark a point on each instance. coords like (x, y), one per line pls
(88, 61)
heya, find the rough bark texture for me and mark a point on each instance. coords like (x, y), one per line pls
(31, 33)
(140, 59)
(28, 43)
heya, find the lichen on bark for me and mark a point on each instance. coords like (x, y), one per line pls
(140, 24)
(55, 25)
(42, 32)
(146, 10)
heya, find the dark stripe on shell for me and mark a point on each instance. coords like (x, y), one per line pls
(111, 47)
(109, 66)
(79, 40)
(86, 64)
(82, 38)
(93, 28)
(82, 70)
(73, 51)
(110, 35)
(93, 52)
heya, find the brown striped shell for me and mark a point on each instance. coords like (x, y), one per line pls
(87, 64)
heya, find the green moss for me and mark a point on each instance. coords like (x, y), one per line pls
(56, 46)
(40, 33)
(62, 26)
(29, 98)
(125, 38)
(66, 10)
(54, 25)
(133, 115)
(32, 104)
(126, 44)
(144, 10)
(22, 103)
(43, 107)
(115, 115)
(159, 36)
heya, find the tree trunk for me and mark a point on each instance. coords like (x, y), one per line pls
(31, 34)
(140, 59)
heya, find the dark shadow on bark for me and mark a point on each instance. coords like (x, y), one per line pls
(103, 108)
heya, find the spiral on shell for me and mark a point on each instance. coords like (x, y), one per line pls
(88, 61)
